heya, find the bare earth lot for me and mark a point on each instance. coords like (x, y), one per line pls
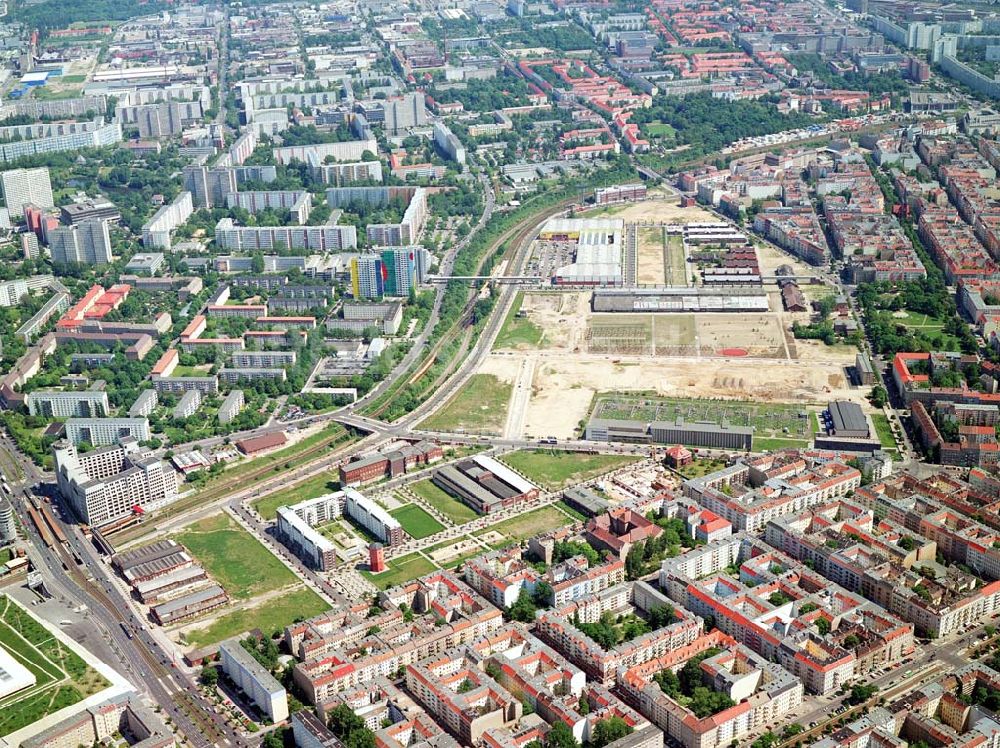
(563, 386)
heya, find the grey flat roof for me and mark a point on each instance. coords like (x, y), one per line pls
(847, 416)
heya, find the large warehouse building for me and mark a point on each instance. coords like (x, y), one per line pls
(599, 252)
(681, 299)
(484, 484)
(693, 433)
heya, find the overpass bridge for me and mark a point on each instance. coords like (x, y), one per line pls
(508, 279)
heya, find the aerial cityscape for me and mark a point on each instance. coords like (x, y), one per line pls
(499, 374)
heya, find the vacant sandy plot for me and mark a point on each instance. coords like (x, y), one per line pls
(442, 556)
(757, 334)
(650, 256)
(655, 210)
(563, 387)
(562, 316)
(770, 257)
(674, 334)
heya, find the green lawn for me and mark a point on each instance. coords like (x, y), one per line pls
(270, 616)
(518, 333)
(479, 407)
(62, 678)
(73, 78)
(237, 561)
(44, 93)
(571, 511)
(765, 444)
(401, 570)
(884, 430)
(416, 521)
(527, 525)
(453, 509)
(553, 469)
(310, 488)
(698, 468)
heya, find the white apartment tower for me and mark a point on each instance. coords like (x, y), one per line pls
(21, 186)
(87, 243)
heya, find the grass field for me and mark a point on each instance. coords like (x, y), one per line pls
(236, 560)
(518, 333)
(527, 525)
(480, 407)
(676, 265)
(660, 130)
(553, 469)
(401, 570)
(62, 678)
(454, 509)
(579, 516)
(698, 468)
(270, 616)
(927, 328)
(884, 430)
(310, 488)
(771, 422)
(416, 521)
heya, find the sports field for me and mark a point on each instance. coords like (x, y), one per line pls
(236, 559)
(416, 521)
(62, 678)
(555, 469)
(770, 421)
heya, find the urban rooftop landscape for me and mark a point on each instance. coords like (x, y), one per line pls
(499, 374)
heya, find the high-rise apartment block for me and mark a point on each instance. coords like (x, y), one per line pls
(368, 276)
(22, 186)
(87, 243)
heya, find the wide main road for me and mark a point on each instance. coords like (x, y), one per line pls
(142, 659)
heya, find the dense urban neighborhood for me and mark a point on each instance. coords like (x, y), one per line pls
(538, 374)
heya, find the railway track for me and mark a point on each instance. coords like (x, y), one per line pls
(514, 237)
(183, 699)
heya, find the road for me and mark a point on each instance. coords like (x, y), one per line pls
(142, 658)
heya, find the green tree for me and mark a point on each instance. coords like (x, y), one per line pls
(609, 730)
(560, 736)
(524, 609)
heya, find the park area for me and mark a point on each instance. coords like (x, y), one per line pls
(524, 526)
(775, 425)
(400, 570)
(554, 469)
(452, 508)
(479, 407)
(416, 521)
(62, 678)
